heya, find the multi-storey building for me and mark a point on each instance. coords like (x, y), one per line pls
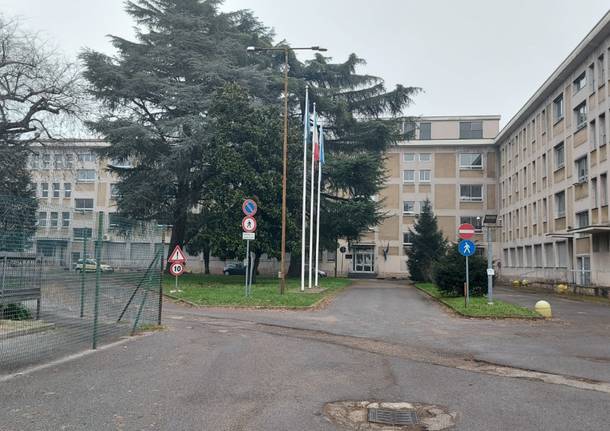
(554, 172)
(73, 186)
(452, 163)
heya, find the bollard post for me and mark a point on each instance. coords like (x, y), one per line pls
(98, 258)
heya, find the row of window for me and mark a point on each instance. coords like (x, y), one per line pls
(56, 190)
(52, 219)
(59, 160)
(468, 161)
(468, 130)
(408, 176)
(468, 193)
(477, 222)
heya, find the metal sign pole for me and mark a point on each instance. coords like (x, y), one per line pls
(247, 265)
(251, 272)
(490, 287)
(467, 293)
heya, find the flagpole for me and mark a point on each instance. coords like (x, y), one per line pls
(304, 212)
(311, 214)
(321, 140)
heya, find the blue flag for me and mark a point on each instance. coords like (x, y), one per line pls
(322, 144)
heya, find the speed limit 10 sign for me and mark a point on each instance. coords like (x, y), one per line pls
(176, 269)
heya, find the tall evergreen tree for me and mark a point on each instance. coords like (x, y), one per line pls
(157, 92)
(428, 245)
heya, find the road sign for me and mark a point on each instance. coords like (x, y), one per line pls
(466, 231)
(249, 207)
(176, 269)
(248, 224)
(248, 235)
(177, 256)
(466, 248)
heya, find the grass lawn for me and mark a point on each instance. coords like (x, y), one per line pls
(228, 290)
(478, 306)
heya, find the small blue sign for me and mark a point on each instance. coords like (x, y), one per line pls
(466, 248)
(249, 207)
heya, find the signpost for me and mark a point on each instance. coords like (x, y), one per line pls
(177, 260)
(248, 225)
(466, 248)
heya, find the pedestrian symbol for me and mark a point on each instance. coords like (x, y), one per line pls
(466, 248)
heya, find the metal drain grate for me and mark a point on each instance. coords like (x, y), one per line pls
(392, 417)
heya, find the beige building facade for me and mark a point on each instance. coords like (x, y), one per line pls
(451, 162)
(554, 173)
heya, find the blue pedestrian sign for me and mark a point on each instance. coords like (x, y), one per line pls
(466, 248)
(249, 207)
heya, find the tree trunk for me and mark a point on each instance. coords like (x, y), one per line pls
(257, 260)
(178, 228)
(294, 269)
(206, 260)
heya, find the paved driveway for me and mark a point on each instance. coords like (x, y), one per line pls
(576, 342)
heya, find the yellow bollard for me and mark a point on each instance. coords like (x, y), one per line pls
(524, 283)
(516, 283)
(561, 289)
(544, 309)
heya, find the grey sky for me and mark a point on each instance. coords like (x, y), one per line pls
(469, 56)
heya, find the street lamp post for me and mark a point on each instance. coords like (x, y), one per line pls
(285, 49)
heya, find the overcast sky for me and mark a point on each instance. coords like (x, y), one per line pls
(470, 56)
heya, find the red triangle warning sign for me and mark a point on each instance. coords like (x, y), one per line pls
(177, 256)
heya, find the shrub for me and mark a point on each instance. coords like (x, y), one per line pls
(450, 274)
(14, 312)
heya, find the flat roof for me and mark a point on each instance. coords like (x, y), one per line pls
(579, 54)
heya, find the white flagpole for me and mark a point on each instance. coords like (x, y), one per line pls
(311, 215)
(304, 212)
(318, 206)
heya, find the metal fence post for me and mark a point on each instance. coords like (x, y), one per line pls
(98, 258)
(82, 277)
(161, 269)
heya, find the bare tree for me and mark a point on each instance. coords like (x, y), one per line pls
(38, 86)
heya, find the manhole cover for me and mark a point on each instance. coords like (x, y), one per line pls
(377, 415)
(392, 417)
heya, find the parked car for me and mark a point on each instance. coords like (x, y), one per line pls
(90, 265)
(320, 272)
(234, 268)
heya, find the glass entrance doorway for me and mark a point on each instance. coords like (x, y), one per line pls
(364, 259)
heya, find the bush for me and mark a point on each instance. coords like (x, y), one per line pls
(14, 312)
(449, 274)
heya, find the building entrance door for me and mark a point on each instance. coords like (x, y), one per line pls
(364, 259)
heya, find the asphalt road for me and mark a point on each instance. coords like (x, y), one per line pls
(225, 370)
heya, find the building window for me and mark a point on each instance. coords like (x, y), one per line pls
(560, 204)
(44, 190)
(471, 129)
(56, 190)
(580, 82)
(65, 219)
(593, 134)
(544, 167)
(425, 131)
(67, 190)
(34, 161)
(82, 232)
(54, 219)
(559, 152)
(409, 157)
(407, 238)
(425, 157)
(408, 176)
(602, 130)
(558, 108)
(58, 161)
(83, 204)
(594, 194)
(46, 161)
(601, 68)
(114, 219)
(408, 128)
(582, 169)
(603, 193)
(86, 157)
(592, 77)
(471, 161)
(85, 175)
(408, 207)
(114, 190)
(545, 211)
(582, 219)
(477, 222)
(69, 158)
(424, 176)
(471, 192)
(580, 115)
(42, 219)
